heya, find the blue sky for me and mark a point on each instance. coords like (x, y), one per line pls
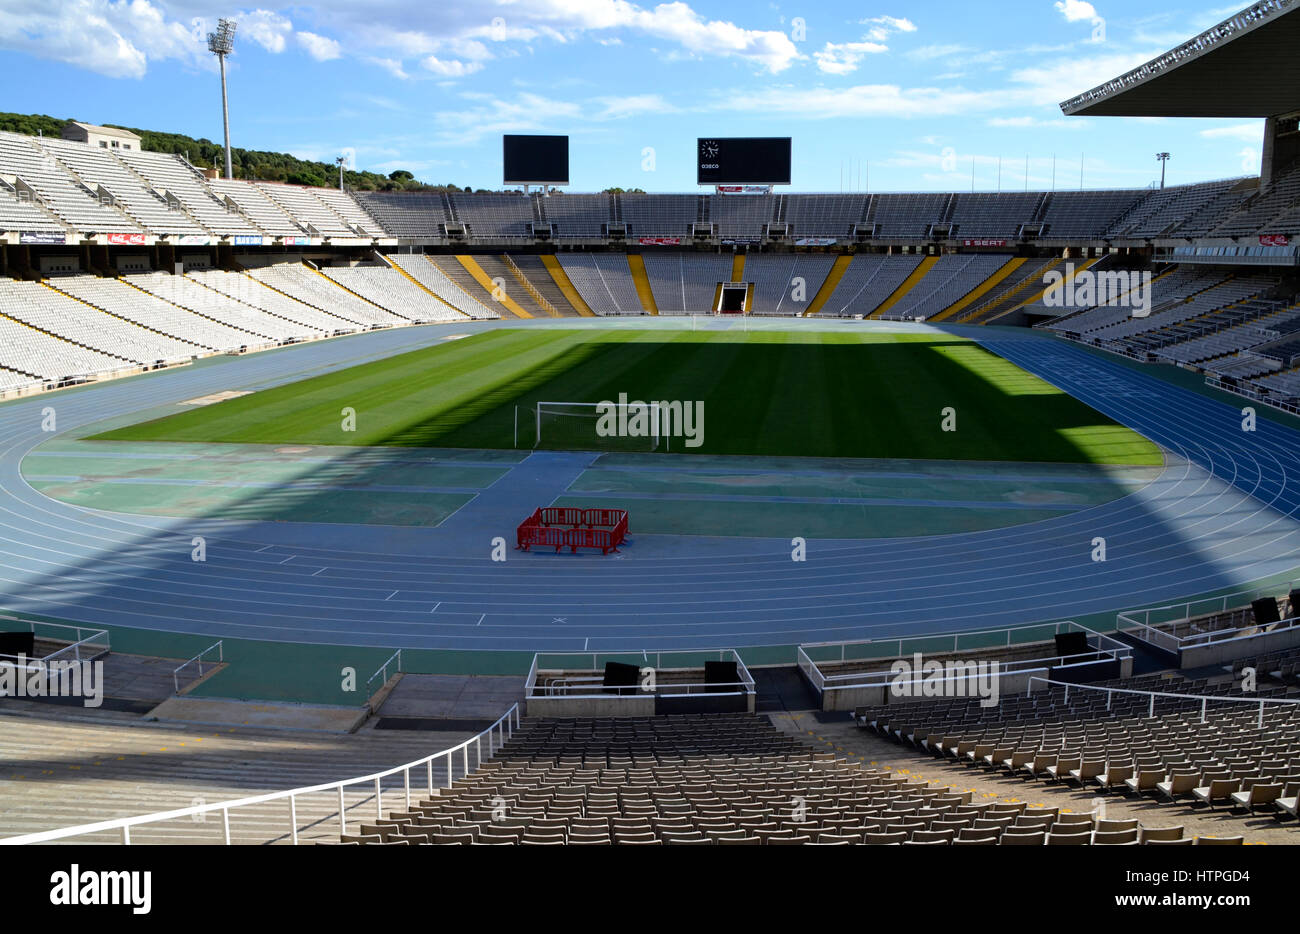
(879, 96)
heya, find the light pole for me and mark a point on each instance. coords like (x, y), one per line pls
(221, 43)
(1163, 157)
(342, 161)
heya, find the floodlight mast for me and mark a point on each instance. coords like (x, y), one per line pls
(1163, 157)
(221, 43)
(342, 161)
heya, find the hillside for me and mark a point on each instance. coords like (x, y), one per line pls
(247, 163)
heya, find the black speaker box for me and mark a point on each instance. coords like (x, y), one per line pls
(621, 678)
(17, 643)
(721, 673)
(1265, 611)
(1072, 643)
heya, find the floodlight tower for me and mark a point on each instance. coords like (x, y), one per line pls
(221, 43)
(342, 161)
(1163, 157)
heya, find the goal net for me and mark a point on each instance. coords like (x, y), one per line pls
(598, 426)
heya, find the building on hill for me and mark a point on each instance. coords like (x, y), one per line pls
(105, 137)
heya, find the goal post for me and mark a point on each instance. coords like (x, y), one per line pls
(599, 426)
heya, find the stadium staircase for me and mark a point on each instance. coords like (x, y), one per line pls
(416, 282)
(1037, 296)
(908, 284)
(637, 264)
(1008, 296)
(975, 294)
(537, 281)
(484, 281)
(459, 274)
(738, 267)
(566, 287)
(828, 286)
(527, 297)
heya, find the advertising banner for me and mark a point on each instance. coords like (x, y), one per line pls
(1274, 240)
(660, 241)
(41, 236)
(984, 243)
(132, 239)
(814, 241)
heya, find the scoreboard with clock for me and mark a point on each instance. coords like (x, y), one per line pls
(743, 160)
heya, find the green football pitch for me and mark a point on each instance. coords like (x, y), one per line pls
(762, 393)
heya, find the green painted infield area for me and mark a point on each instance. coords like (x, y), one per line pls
(800, 393)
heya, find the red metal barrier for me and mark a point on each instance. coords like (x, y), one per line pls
(539, 528)
(541, 535)
(602, 518)
(561, 515)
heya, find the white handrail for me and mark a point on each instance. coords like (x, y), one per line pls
(1106, 647)
(383, 669)
(505, 725)
(221, 657)
(94, 637)
(1203, 698)
(532, 689)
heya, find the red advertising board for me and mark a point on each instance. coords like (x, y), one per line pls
(660, 241)
(128, 238)
(1274, 240)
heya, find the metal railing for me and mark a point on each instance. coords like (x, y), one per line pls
(82, 648)
(566, 685)
(1204, 699)
(1104, 648)
(198, 660)
(382, 674)
(497, 735)
(1145, 625)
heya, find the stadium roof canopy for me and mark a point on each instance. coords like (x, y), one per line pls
(1247, 66)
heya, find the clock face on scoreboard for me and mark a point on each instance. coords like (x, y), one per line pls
(708, 149)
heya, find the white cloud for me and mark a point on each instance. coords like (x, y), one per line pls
(391, 65)
(1077, 10)
(450, 68)
(927, 52)
(882, 27)
(868, 100)
(114, 39)
(1246, 132)
(269, 30)
(843, 58)
(633, 105)
(1033, 122)
(319, 47)
(1069, 76)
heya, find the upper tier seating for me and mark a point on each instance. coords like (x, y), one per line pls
(100, 167)
(57, 189)
(414, 214)
(258, 207)
(173, 175)
(304, 206)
